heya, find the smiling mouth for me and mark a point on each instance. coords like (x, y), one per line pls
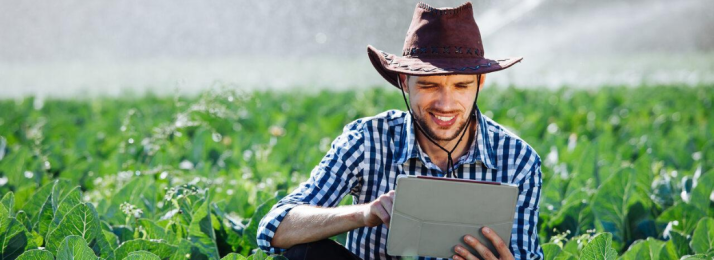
(443, 120)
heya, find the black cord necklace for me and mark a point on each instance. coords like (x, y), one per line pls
(450, 161)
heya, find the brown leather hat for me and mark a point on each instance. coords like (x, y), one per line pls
(440, 41)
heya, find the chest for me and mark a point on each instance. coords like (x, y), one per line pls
(379, 178)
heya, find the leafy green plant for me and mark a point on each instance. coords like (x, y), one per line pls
(627, 172)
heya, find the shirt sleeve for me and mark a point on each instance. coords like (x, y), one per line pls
(525, 243)
(334, 177)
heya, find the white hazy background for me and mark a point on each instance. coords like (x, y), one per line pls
(72, 48)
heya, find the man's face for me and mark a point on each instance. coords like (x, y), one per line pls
(441, 104)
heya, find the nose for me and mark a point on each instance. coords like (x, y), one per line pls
(445, 100)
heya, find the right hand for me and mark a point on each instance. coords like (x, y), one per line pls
(379, 211)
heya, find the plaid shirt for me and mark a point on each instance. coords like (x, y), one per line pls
(371, 152)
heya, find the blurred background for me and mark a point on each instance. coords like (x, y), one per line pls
(69, 48)
(155, 115)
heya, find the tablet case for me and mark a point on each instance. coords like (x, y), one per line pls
(431, 215)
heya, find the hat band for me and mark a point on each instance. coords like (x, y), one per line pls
(458, 52)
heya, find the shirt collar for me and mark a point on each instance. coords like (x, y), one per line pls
(408, 144)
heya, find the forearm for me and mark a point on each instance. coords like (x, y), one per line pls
(304, 224)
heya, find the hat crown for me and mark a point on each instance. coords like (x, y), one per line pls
(443, 33)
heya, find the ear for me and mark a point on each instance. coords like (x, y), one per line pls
(403, 79)
(483, 80)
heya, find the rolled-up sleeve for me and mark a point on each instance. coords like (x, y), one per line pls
(335, 176)
(525, 243)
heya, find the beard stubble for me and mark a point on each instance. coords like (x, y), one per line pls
(422, 122)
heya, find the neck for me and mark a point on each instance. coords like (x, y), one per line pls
(438, 156)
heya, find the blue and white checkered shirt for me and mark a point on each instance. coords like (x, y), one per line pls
(365, 160)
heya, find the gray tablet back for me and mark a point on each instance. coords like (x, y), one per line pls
(430, 217)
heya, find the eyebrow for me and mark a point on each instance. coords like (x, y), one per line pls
(464, 82)
(423, 82)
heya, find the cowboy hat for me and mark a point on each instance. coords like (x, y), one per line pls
(440, 41)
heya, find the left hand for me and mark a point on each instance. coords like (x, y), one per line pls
(464, 254)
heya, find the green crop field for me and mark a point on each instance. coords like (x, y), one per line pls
(628, 172)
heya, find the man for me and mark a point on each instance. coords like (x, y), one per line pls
(443, 134)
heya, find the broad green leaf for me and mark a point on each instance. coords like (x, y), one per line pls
(131, 192)
(701, 193)
(186, 250)
(640, 221)
(153, 231)
(201, 230)
(669, 251)
(695, 257)
(644, 249)
(43, 222)
(230, 231)
(564, 255)
(553, 192)
(33, 206)
(233, 256)
(13, 239)
(124, 233)
(149, 201)
(22, 217)
(71, 199)
(238, 202)
(259, 255)
(571, 216)
(36, 254)
(34, 238)
(13, 236)
(111, 238)
(82, 220)
(74, 247)
(680, 242)
(16, 163)
(44, 218)
(572, 247)
(59, 191)
(703, 237)
(161, 249)
(4, 212)
(8, 200)
(550, 250)
(585, 174)
(599, 248)
(105, 226)
(141, 255)
(684, 215)
(613, 201)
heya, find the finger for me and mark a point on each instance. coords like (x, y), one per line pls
(382, 214)
(480, 248)
(497, 242)
(464, 253)
(387, 204)
(457, 257)
(389, 195)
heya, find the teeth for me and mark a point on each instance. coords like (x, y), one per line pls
(442, 118)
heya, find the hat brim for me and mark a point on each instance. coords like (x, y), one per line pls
(390, 66)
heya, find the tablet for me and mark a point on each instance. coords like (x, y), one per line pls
(431, 215)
